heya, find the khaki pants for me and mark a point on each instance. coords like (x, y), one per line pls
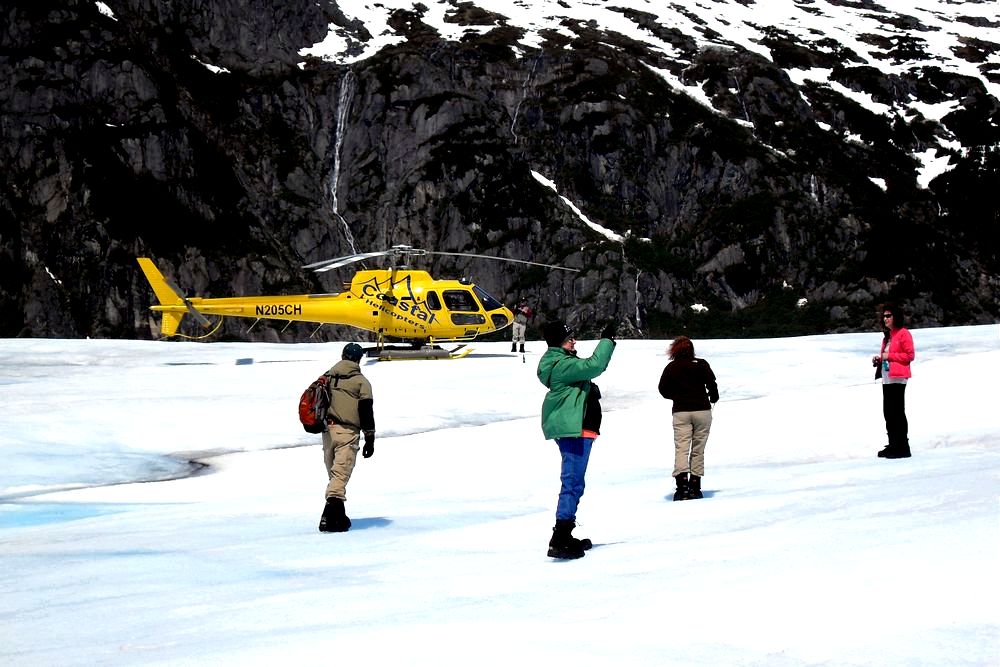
(690, 435)
(340, 453)
(518, 333)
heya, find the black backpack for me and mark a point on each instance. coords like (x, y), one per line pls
(313, 405)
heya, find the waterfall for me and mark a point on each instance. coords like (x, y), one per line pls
(640, 320)
(345, 97)
(524, 94)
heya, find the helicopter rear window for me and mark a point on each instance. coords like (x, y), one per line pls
(460, 300)
(432, 301)
(489, 303)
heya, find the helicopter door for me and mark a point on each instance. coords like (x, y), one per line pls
(464, 308)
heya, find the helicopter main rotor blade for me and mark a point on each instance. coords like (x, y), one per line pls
(409, 251)
(503, 259)
(337, 262)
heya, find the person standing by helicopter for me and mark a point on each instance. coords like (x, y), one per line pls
(350, 414)
(522, 313)
(571, 415)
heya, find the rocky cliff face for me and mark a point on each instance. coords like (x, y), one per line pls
(199, 134)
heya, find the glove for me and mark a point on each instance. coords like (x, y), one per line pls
(369, 448)
(609, 330)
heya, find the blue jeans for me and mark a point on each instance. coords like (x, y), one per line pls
(575, 455)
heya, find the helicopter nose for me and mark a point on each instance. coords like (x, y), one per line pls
(499, 320)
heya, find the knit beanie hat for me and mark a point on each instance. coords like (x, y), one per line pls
(556, 333)
(353, 352)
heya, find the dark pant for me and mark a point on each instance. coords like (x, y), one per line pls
(894, 411)
(575, 456)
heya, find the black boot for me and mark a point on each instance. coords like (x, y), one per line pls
(898, 448)
(584, 542)
(334, 519)
(563, 545)
(522, 347)
(900, 451)
(694, 487)
(513, 347)
(682, 487)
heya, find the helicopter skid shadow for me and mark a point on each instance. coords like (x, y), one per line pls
(488, 355)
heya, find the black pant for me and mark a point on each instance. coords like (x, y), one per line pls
(894, 411)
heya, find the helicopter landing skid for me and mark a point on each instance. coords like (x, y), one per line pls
(427, 352)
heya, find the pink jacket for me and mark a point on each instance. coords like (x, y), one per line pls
(900, 353)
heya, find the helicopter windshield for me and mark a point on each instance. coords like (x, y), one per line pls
(489, 303)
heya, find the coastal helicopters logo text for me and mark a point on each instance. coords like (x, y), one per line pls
(405, 308)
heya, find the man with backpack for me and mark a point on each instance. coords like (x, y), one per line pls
(350, 414)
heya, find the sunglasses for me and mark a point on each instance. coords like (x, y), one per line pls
(886, 316)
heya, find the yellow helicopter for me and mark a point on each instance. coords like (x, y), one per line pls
(395, 304)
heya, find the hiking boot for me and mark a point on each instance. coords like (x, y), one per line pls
(334, 519)
(694, 487)
(583, 542)
(900, 453)
(682, 487)
(900, 449)
(563, 545)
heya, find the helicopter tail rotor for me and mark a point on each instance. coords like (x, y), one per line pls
(168, 294)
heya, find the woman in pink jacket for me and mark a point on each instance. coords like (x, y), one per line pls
(894, 359)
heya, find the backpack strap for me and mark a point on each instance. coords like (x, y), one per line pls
(333, 382)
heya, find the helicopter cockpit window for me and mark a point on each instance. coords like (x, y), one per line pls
(432, 301)
(460, 300)
(489, 303)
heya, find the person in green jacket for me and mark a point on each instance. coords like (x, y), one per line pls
(571, 415)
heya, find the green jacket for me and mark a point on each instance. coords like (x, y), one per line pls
(568, 379)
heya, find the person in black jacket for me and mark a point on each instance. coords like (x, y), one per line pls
(690, 383)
